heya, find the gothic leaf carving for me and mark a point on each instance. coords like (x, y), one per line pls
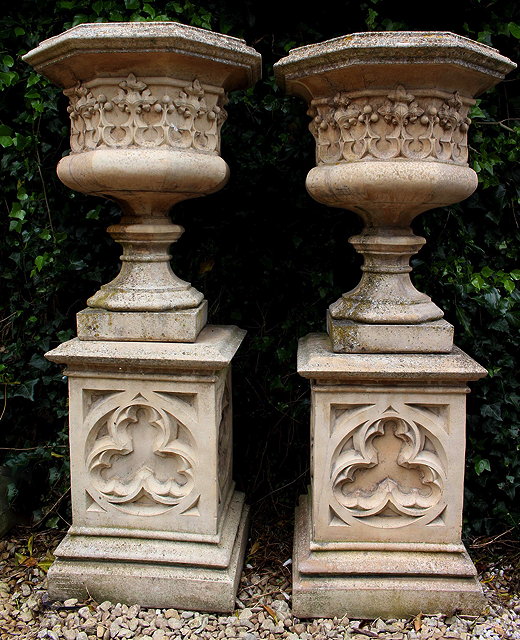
(140, 452)
(350, 128)
(137, 116)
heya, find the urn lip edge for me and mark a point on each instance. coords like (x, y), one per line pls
(147, 37)
(390, 47)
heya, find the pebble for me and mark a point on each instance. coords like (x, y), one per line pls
(71, 602)
(27, 613)
(186, 615)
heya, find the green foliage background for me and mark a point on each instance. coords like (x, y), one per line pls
(267, 257)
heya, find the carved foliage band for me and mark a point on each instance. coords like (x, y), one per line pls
(388, 465)
(355, 127)
(134, 113)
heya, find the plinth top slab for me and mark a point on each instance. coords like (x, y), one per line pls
(148, 48)
(366, 59)
(317, 360)
(214, 350)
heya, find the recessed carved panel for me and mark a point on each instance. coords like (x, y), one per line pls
(390, 125)
(140, 455)
(135, 112)
(388, 468)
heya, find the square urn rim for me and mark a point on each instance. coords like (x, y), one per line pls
(91, 50)
(382, 59)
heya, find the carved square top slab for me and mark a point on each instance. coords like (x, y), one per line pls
(377, 60)
(316, 360)
(214, 350)
(147, 48)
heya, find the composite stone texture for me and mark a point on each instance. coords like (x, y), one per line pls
(357, 337)
(183, 325)
(151, 457)
(389, 113)
(147, 103)
(379, 534)
(156, 518)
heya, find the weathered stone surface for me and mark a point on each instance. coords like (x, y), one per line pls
(182, 325)
(348, 336)
(317, 360)
(152, 490)
(392, 54)
(390, 119)
(386, 444)
(146, 108)
(69, 56)
(212, 351)
(380, 581)
(199, 574)
(156, 519)
(380, 534)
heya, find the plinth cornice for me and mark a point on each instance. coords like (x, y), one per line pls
(317, 360)
(214, 350)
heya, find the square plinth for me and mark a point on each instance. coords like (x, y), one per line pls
(353, 337)
(183, 325)
(380, 535)
(156, 520)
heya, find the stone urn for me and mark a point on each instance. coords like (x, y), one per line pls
(379, 534)
(147, 102)
(390, 119)
(156, 517)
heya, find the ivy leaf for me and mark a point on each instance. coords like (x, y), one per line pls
(514, 29)
(23, 390)
(39, 261)
(482, 465)
(492, 411)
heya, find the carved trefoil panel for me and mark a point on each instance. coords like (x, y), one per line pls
(384, 465)
(139, 454)
(145, 112)
(371, 125)
(145, 452)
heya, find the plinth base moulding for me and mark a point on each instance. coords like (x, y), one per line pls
(156, 517)
(380, 534)
(382, 580)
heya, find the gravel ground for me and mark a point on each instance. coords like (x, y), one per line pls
(263, 608)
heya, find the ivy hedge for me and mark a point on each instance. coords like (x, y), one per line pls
(267, 257)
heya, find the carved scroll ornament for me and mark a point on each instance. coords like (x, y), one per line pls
(353, 127)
